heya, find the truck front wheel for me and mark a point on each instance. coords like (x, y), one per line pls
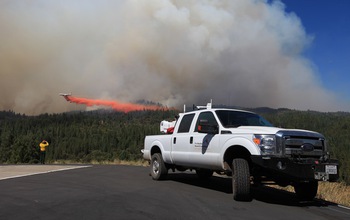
(158, 168)
(306, 191)
(240, 180)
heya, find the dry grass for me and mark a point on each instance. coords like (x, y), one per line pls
(131, 163)
(332, 192)
(115, 162)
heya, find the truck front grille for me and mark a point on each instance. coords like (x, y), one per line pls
(300, 143)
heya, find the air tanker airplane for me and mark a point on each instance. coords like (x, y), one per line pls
(66, 96)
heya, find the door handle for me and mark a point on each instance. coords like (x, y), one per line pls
(191, 140)
(174, 140)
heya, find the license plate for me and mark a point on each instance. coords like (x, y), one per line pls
(331, 169)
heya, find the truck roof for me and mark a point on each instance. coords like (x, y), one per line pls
(215, 109)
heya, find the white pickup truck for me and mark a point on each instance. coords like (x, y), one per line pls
(244, 145)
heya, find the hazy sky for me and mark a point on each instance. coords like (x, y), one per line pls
(246, 53)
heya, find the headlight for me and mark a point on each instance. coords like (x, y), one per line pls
(266, 143)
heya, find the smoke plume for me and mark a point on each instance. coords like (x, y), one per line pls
(236, 52)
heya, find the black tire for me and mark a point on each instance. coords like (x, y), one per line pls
(204, 174)
(306, 191)
(158, 168)
(240, 180)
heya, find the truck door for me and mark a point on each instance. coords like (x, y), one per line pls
(205, 149)
(181, 141)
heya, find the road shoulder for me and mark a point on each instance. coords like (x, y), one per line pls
(15, 171)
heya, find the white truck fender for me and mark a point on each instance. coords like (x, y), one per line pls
(157, 143)
(241, 141)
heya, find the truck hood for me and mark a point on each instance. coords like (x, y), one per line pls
(262, 130)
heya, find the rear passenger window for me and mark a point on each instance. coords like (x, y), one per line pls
(209, 116)
(185, 124)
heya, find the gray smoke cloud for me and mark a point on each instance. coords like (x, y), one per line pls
(236, 52)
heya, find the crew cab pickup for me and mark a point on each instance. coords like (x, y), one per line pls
(245, 146)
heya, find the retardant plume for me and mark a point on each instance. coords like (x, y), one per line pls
(118, 106)
(245, 53)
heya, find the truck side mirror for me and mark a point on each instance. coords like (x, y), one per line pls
(205, 127)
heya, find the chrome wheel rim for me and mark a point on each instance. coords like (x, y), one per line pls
(155, 166)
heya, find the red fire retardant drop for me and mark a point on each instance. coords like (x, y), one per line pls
(118, 106)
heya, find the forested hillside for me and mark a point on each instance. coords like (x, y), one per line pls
(108, 135)
(77, 136)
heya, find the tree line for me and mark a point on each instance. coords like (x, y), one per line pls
(106, 135)
(77, 136)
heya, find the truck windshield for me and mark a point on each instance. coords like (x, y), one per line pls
(233, 119)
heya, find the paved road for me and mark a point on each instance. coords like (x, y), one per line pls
(128, 192)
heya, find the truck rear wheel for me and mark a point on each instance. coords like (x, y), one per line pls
(240, 180)
(306, 191)
(158, 168)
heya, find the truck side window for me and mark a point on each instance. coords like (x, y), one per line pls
(209, 116)
(185, 124)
